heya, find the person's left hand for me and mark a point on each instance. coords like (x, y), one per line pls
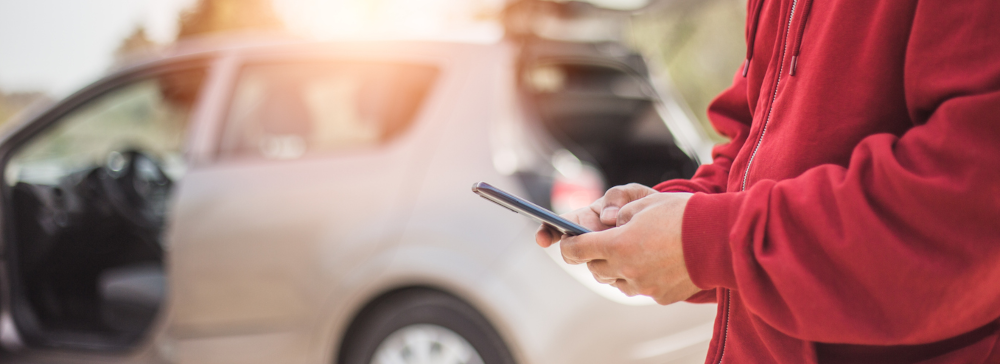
(642, 255)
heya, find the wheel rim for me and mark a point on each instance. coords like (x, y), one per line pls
(425, 344)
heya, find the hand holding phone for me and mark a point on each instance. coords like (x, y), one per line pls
(528, 209)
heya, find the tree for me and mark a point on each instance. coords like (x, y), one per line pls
(220, 16)
(700, 43)
(133, 46)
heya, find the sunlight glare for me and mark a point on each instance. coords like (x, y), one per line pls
(377, 19)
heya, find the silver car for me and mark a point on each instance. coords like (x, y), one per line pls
(300, 202)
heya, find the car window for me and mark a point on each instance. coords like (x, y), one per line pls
(287, 110)
(149, 116)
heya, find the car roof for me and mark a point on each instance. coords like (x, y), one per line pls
(270, 44)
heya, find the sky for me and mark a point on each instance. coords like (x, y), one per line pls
(59, 46)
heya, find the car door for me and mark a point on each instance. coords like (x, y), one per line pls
(310, 178)
(86, 191)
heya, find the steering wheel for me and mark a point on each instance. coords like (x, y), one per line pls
(137, 188)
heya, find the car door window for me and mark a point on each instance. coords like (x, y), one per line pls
(287, 110)
(149, 115)
(88, 202)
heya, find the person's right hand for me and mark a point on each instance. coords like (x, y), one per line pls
(600, 215)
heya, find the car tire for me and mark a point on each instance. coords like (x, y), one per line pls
(425, 318)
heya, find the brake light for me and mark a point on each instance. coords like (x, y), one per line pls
(576, 184)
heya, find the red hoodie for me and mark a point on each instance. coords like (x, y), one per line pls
(855, 215)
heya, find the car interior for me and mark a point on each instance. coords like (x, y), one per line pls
(90, 197)
(598, 103)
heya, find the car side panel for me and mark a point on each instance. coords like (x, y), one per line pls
(258, 246)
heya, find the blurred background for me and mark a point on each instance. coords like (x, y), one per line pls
(333, 145)
(50, 48)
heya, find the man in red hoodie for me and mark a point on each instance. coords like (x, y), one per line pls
(854, 217)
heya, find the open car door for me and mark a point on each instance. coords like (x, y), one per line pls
(85, 195)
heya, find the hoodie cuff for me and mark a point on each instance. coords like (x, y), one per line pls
(677, 185)
(708, 219)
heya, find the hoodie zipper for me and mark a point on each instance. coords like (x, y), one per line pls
(725, 330)
(774, 96)
(746, 172)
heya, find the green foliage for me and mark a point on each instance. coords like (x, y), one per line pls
(700, 43)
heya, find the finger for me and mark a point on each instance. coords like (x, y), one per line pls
(587, 218)
(584, 248)
(667, 199)
(619, 196)
(630, 209)
(574, 216)
(602, 271)
(624, 286)
(546, 236)
(597, 206)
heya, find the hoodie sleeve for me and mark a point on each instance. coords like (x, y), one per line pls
(903, 245)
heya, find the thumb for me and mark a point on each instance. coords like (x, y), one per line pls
(619, 196)
(630, 209)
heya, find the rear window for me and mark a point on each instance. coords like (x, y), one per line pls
(288, 110)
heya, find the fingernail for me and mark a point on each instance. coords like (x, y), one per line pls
(609, 213)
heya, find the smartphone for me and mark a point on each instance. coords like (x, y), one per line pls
(528, 209)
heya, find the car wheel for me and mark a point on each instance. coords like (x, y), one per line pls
(420, 325)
